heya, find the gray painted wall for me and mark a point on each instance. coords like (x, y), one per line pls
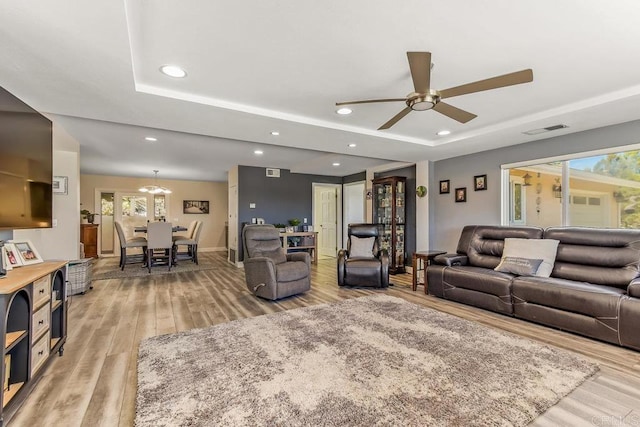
(356, 177)
(277, 199)
(410, 207)
(483, 207)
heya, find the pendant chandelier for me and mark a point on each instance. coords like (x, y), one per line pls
(155, 188)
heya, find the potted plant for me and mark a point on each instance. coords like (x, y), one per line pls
(281, 227)
(294, 222)
(88, 216)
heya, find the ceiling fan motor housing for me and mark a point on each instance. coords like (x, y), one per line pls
(423, 101)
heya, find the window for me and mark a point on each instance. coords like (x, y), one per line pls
(595, 191)
(159, 207)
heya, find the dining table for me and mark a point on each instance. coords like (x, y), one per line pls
(175, 228)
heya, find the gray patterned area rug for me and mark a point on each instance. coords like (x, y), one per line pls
(107, 268)
(375, 360)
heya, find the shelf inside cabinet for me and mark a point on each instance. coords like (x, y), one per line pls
(8, 394)
(11, 338)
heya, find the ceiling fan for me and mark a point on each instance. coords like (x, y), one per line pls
(425, 98)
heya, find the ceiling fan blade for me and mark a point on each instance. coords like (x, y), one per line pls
(395, 119)
(420, 65)
(454, 112)
(510, 79)
(367, 101)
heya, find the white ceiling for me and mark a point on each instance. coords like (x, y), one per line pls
(259, 66)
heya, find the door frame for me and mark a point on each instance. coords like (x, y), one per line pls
(315, 186)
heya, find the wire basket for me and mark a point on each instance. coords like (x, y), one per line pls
(79, 276)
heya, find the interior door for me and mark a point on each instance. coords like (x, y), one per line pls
(354, 207)
(327, 198)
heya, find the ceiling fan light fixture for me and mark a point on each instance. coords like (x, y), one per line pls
(173, 71)
(422, 101)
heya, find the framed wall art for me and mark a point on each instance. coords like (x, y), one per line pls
(60, 185)
(195, 206)
(480, 182)
(461, 195)
(444, 186)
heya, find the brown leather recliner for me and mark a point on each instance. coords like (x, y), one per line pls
(361, 264)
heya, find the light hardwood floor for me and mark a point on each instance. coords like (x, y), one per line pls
(94, 383)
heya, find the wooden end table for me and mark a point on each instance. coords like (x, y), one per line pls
(420, 262)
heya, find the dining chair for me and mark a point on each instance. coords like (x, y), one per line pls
(134, 242)
(159, 239)
(191, 244)
(189, 234)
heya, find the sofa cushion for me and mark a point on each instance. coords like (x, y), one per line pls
(477, 279)
(634, 289)
(290, 271)
(362, 247)
(609, 257)
(577, 297)
(533, 249)
(519, 266)
(483, 244)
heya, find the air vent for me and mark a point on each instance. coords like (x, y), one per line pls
(273, 173)
(543, 130)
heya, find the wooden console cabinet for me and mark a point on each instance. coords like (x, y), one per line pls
(89, 236)
(307, 241)
(33, 316)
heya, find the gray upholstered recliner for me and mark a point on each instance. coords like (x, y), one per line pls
(363, 263)
(269, 272)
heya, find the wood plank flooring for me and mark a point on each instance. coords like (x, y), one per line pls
(94, 383)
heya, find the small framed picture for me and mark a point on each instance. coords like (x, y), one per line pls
(60, 184)
(480, 182)
(27, 252)
(461, 195)
(195, 206)
(444, 186)
(11, 256)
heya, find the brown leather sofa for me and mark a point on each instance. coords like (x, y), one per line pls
(594, 288)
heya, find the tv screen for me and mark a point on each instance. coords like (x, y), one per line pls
(26, 164)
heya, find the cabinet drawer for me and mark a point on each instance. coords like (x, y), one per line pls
(39, 353)
(41, 291)
(41, 321)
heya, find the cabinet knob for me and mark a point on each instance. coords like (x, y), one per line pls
(41, 322)
(41, 291)
(41, 352)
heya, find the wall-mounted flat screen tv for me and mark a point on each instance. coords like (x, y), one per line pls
(26, 164)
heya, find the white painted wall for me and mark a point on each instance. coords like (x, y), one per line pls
(63, 240)
(354, 206)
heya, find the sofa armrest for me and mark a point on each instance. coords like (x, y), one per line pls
(633, 290)
(342, 259)
(451, 259)
(300, 256)
(259, 271)
(383, 255)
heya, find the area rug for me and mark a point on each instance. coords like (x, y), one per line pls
(107, 268)
(375, 360)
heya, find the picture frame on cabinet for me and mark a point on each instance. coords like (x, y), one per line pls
(27, 253)
(11, 257)
(461, 195)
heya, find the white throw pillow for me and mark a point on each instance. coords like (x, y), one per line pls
(362, 247)
(531, 249)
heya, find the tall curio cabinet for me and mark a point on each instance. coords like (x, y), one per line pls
(389, 210)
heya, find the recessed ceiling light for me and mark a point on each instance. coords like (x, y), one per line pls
(344, 111)
(150, 138)
(275, 133)
(173, 71)
(443, 132)
(336, 164)
(258, 152)
(352, 145)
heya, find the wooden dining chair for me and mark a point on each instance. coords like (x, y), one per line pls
(159, 239)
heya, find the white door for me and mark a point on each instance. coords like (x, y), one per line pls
(325, 218)
(354, 207)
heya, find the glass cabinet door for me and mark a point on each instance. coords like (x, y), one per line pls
(389, 211)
